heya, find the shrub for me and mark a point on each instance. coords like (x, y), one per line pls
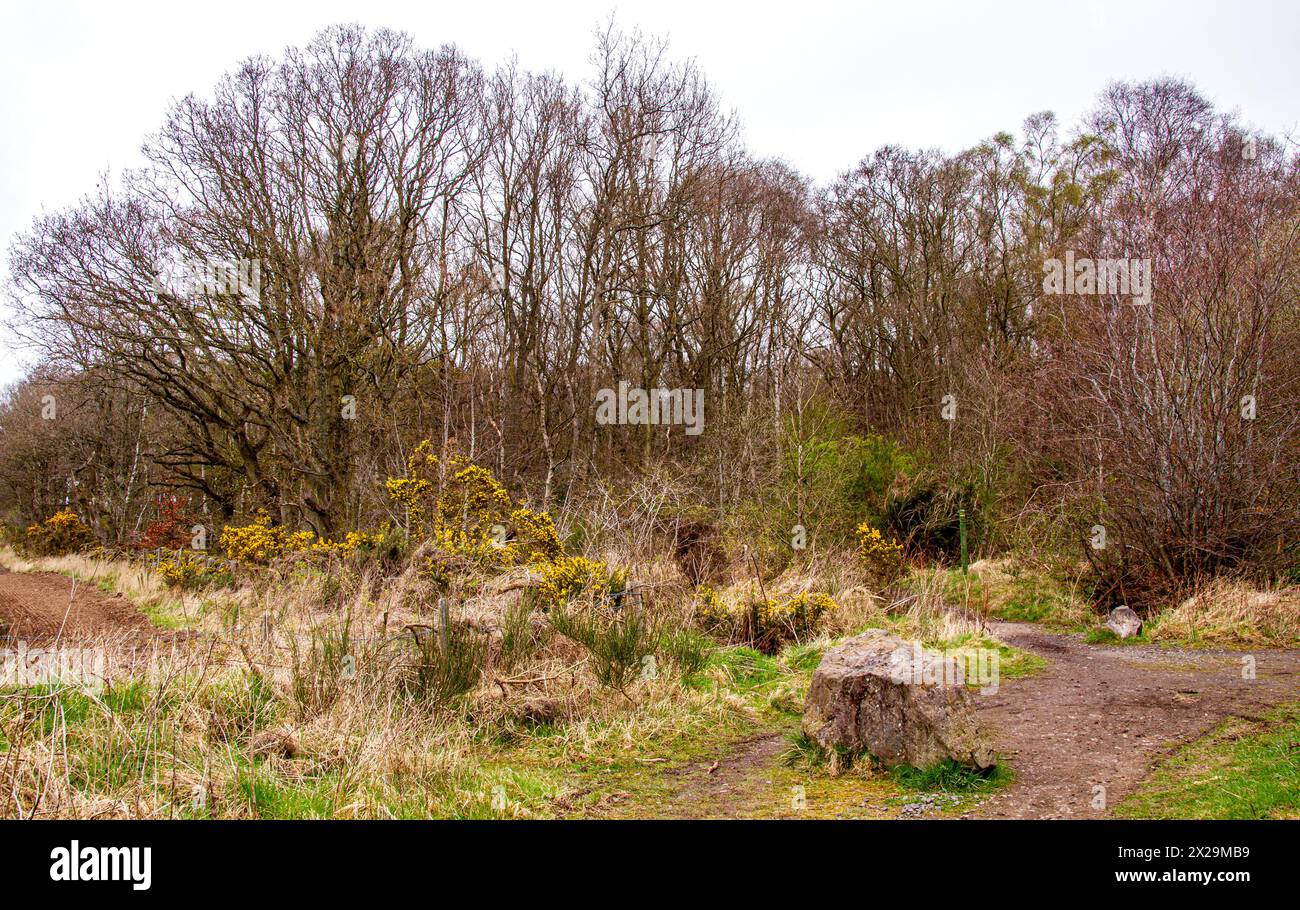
(260, 542)
(60, 534)
(880, 554)
(617, 642)
(825, 478)
(520, 640)
(792, 620)
(766, 624)
(191, 572)
(468, 515)
(925, 518)
(570, 577)
(535, 537)
(386, 544)
(697, 551)
(171, 530)
(447, 663)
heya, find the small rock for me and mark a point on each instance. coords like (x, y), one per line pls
(1124, 622)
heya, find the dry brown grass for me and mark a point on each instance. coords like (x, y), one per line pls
(1233, 613)
(191, 744)
(187, 746)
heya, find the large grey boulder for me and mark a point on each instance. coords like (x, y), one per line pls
(880, 694)
(1124, 622)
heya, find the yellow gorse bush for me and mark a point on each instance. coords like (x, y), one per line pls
(261, 542)
(882, 556)
(776, 620)
(457, 506)
(803, 611)
(711, 610)
(465, 512)
(352, 542)
(537, 540)
(568, 577)
(62, 533)
(191, 571)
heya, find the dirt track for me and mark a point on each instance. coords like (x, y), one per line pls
(1102, 716)
(41, 606)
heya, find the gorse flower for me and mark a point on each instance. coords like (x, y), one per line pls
(881, 556)
(459, 508)
(261, 542)
(190, 571)
(60, 534)
(465, 512)
(768, 622)
(568, 577)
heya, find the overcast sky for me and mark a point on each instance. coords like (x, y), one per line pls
(820, 84)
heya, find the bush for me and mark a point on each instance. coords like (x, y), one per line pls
(881, 555)
(520, 639)
(191, 572)
(60, 534)
(571, 577)
(925, 518)
(697, 551)
(618, 642)
(828, 479)
(765, 624)
(467, 514)
(260, 542)
(171, 530)
(448, 663)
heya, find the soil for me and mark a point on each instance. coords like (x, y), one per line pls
(38, 607)
(1104, 716)
(733, 786)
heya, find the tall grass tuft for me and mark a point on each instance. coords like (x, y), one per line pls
(617, 643)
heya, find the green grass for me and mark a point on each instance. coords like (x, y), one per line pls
(625, 758)
(950, 777)
(126, 698)
(1243, 769)
(170, 613)
(900, 785)
(1020, 593)
(1103, 636)
(745, 669)
(1012, 662)
(803, 657)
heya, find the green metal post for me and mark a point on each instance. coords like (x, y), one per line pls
(961, 526)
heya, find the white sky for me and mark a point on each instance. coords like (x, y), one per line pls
(820, 84)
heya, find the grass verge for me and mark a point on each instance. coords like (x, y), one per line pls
(1243, 769)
